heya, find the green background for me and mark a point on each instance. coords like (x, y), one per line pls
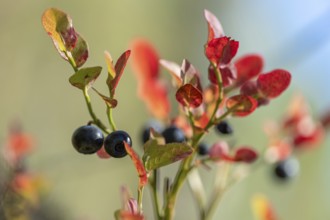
(35, 89)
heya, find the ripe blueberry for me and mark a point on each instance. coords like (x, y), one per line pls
(224, 128)
(203, 149)
(114, 143)
(87, 139)
(145, 134)
(173, 134)
(286, 169)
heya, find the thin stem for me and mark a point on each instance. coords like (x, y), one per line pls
(155, 195)
(71, 61)
(140, 198)
(220, 188)
(110, 119)
(96, 121)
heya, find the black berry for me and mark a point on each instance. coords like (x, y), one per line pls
(114, 143)
(286, 169)
(87, 139)
(173, 134)
(145, 135)
(203, 149)
(224, 128)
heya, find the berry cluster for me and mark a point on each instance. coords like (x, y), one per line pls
(89, 139)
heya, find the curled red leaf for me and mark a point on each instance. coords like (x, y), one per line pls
(248, 67)
(189, 96)
(245, 154)
(221, 50)
(241, 105)
(272, 84)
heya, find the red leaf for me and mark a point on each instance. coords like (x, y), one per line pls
(145, 60)
(189, 96)
(18, 146)
(219, 150)
(226, 74)
(154, 94)
(245, 154)
(190, 75)
(248, 67)
(249, 88)
(119, 68)
(221, 50)
(69, 37)
(143, 179)
(243, 105)
(272, 84)
(309, 140)
(214, 27)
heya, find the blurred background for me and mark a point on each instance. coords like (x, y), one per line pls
(292, 35)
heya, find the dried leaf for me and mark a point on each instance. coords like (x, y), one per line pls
(242, 105)
(189, 96)
(110, 102)
(272, 84)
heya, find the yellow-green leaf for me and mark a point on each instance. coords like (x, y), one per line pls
(54, 21)
(85, 77)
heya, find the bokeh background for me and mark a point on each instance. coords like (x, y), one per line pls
(293, 35)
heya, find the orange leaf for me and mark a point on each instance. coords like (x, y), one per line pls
(154, 94)
(189, 96)
(241, 105)
(143, 179)
(144, 60)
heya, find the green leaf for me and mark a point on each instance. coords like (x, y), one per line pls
(156, 156)
(80, 51)
(85, 77)
(54, 22)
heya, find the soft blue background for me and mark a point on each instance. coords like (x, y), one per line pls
(293, 35)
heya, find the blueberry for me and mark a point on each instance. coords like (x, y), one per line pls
(145, 134)
(224, 128)
(87, 139)
(114, 143)
(286, 169)
(173, 134)
(203, 149)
